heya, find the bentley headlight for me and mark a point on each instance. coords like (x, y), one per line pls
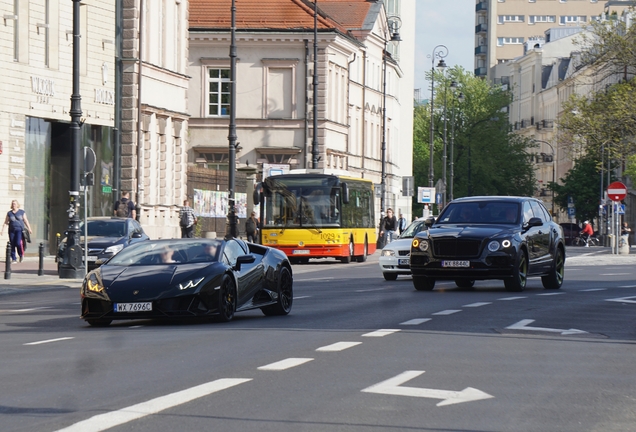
(114, 249)
(190, 284)
(506, 243)
(388, 252)
(423, 245)
(493, 246)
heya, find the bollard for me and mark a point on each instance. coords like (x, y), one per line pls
(7, 264)
(41, 255)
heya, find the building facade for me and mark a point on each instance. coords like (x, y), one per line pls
(503, 27)
(274, 108)
(35, 144)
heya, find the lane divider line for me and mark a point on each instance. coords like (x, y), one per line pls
(49, 341)
(415, 321)
(338, 346)
(111, 419)
(511, 298)
(447, 312)
(285, 364)
(381, 333)
(478, 304)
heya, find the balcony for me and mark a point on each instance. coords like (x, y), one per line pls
(481, 72)
(481, 7)
(481, 28)
(481, 50)
(548, 124)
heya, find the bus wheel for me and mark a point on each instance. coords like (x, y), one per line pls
(347, 259)
(365, 252)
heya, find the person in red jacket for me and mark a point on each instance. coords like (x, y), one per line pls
(586, 232)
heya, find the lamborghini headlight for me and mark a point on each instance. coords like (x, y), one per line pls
(92, 284)
(190, 284)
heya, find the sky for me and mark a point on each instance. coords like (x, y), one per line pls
(443, 22)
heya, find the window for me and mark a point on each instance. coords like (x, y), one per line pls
(218, 92)
(572, 19)
(501, 41)
(541, 19)
(510, 18)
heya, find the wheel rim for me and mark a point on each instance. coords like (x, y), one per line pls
(286, 290)
(559, 267)
(523, 270)
(227, 299)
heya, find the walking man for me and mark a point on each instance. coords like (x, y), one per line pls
(187, 220)
(124, 207)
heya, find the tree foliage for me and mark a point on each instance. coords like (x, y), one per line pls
(488, 159)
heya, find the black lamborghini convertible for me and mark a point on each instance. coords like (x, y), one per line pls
(182, 278)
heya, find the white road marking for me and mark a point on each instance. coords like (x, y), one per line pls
(301, 297)
(623, 299)
(49, 340)
(415, 321)
(478, 304)
(511, 298)
(314, 279)
(116, 418)
(285, 364)
(338, 346)
(26, 310)
(447, 312)
(392, 387)
(135, 326)
(614, 274)
(381, 332)
(594, 289)
(372, 289)
(523, 325)
(628, 286)
(551, 294)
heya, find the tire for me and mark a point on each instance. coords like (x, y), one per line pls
(285, 295)
(227, 300)
(519, 277)
(390, 276)
(99, 322)
(578, 241)
(464, 283)
(554, 279)
(423, 283)
(365, 253)
(347, 259)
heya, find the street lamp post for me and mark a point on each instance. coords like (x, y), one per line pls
(233, 229)
(453, 85)
(440, 51)
(394, 24)
(72, 265)
(314, 142)
(460, 99)
(553, 167)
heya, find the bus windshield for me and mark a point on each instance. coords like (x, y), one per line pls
(303, 206)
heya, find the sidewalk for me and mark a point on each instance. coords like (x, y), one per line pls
(25, 275)
(597, 256)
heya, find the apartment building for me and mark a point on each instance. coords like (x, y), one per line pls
(504, 28)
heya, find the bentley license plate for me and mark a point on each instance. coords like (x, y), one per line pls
(403, 261)
(132, 307)
(455, 263)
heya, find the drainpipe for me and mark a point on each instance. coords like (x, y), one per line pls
(140, 123)
(348, 148)
(364, 105)
(306, 149)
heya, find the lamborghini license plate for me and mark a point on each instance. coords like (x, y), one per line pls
(132, 307)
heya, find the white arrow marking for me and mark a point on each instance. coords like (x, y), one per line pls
(392, 387)
(623, 299)
(523, 325)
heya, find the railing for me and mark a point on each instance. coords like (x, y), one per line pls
(481, 7)
(480, 72)
(481, 49)
(481, 28)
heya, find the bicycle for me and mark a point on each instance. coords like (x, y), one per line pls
(581, 241)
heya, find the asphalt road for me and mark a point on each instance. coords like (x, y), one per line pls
(357, 353)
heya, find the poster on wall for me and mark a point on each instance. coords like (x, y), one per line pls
(207, 203)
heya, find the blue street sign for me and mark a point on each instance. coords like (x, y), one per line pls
(571, 212)
(621, 209)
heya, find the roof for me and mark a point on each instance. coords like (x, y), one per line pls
(340, 15)
(493, 198)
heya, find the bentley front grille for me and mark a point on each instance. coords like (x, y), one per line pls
(454, 248)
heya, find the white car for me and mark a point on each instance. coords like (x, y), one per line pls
(394, 258)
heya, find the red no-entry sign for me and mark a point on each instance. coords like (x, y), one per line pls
(617, 191)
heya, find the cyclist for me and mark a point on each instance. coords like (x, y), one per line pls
(586, 232)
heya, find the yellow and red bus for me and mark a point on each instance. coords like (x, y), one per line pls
(317, 215)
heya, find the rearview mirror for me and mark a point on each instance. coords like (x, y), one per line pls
(244, 259)
(345, 193)
(258, 187)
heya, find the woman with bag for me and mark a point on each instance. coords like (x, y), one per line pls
(17, 221)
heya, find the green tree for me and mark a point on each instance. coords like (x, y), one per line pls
(488, 158)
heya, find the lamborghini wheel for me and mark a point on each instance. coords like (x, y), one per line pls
(285, 295)
(227, 299)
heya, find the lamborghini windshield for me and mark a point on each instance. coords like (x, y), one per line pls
(164, 252)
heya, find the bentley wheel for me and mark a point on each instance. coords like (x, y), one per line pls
(285, 295)
(554, 279)
(227, 299)
(99, 322)
(423, 283)
(464, 283)
(390, 276)
(347, 259)
(365, 252)
(519, 274)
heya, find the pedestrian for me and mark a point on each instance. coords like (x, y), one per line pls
(251, 228)
(401, 222)
(388, 226)
(625, 229)
(17, 221)
(187, 220)
(124, 207)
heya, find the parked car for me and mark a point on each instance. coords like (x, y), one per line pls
(570, 232)
(107, 236)
(490, 237)
(187, 278)
(394, 258)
